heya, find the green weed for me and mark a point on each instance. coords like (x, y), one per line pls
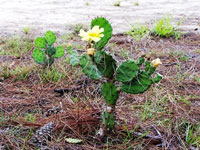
(117, 3)
(136, 4)
(26, 30)
(164, 28)
(23, 72)
(17, 47)
(138, 32)
(51, 75)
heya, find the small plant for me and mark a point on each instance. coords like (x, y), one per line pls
(136, 4)
(45, 52)
(26, 30)
(164, 28)
(138, 32)
(30, 118)
(98, 64)
(117, 3)
(51, 75)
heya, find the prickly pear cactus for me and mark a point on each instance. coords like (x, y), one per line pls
(134, 76)
(127, 71)
(39, 56)
(106, 64)
(40, 42)
(89, 68)
(45, 52)
(50, 37)
(110, 93)
(102, 23)
(139, 84)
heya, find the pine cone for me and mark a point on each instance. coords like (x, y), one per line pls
(43, 135)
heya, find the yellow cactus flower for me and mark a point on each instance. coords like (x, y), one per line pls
(156, 62)
(84, 35)
(95, 34)
(90, 51)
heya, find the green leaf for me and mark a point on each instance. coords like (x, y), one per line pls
(89, 68)
(39, 56)
(138, 85)
(40, 42)
(50, 37)
(74, 58)
(102, 23)
(59, 52)
(107, 65)
(127, 71)
(110, 93)
(73, 140)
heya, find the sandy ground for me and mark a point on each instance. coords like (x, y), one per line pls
(57, 15)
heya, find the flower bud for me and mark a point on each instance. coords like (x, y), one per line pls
(90, 51)
(156, 62)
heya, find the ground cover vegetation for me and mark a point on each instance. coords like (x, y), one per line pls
(66, 103)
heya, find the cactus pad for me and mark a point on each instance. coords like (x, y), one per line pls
(102, 23)
(138, 85)
(50, 37)
(40, 42)
(39, 56)
(74, 58)
(106, 65)
(59, 52)
(127, 71)
(110, 93)
(157, 78)
(89, 68)
(140, 61)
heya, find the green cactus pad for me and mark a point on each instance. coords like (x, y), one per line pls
(98, 56)
(102, 23)
(148, 68)
(140, 61)
(50, 37)
(89, 68)
(39, 56)
(138, 85)
(108, 120)
(74, 58)
(59, 52)
(127, 71)
(107, 65)
(110, 93)
(40, 42)
(157, 78)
